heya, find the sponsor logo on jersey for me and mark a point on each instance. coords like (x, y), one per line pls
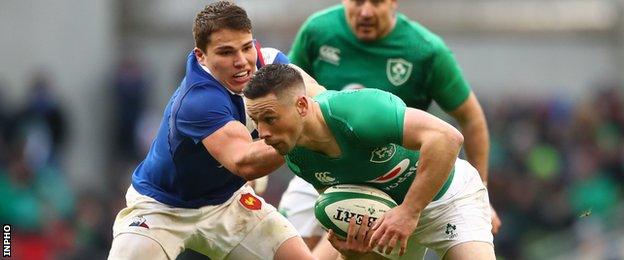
(139, 221)
(394, 173)
(329, 54)
(250, 201)
(398, 71)
(325, 178)
(383, 154)
(451, 231)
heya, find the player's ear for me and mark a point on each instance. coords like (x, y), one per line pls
(302, 105)
(199, 54)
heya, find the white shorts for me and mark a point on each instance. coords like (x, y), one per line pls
(461, 215)
(245, 219)
(297, 205)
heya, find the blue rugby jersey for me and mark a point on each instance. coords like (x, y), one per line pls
(178, 170)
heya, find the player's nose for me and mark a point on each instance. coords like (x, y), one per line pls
(367, 10)
(239, 60)
(263, 132)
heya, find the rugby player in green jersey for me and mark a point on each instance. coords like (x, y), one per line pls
(443, 205)
(367, 43)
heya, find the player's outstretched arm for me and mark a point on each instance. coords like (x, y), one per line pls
(438, 143)
(233, 147)
(312, 86)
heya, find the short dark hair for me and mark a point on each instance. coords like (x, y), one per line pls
(273, 78)
(217, 16)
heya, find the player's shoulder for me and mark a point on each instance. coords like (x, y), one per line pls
(351, 94)
(201, 97)
(419, 33)
(273, 56)
(342, 103)
(324, 18)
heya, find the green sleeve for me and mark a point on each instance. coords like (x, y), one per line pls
(445, 81)
(299, 54)
(379, 118)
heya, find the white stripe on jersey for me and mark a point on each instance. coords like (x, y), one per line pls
(269, 54)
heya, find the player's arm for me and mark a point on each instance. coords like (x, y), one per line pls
(311, 85)
(232, 146)
(439, 144)
(473, 125)
(299, 50)
(450, 90)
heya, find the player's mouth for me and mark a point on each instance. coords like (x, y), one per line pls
(366, 25)
(242, 77)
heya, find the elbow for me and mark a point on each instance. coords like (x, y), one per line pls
(455, 138)
(246, 172)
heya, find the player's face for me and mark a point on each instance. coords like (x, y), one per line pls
(278, 122)
(370, 19)
(231, 58)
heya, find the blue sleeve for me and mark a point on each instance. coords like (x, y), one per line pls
(281, 58)
(202, 111)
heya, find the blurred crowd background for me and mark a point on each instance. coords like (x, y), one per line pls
(83, 85)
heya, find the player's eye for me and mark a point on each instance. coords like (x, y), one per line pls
(359, 2)
(247, 48)
(270, 120)
(225, 53)
(377, 2)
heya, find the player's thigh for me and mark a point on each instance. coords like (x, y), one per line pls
(471, 250)
(135, 246)
(464, 220)
(147, 218)
(414, 251)
(312, 242)
(324, 250)
(297, 205)
(272, 238)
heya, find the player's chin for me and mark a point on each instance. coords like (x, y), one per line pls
(236, 87)
(281, 148)
(366, 34)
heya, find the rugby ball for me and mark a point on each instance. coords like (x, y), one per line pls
(335, 207)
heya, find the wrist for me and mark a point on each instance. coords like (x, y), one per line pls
(411, 209)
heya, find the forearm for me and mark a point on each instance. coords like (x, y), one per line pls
(437, 158)
(477, 145)
(258, 160)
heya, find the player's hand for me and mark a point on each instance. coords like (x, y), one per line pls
(496, 222)
(358, 239)
(394, 229)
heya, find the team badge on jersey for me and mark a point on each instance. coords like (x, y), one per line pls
(383, 154)
(250, 201)
(398, 71)
(139, 221)
(329, 54)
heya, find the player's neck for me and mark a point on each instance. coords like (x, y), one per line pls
(317, 136)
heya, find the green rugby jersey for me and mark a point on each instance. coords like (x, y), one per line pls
(410, 62)
(369, 138)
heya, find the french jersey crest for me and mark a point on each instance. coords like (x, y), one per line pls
(250, 201)
(383, 154)
(398, 71)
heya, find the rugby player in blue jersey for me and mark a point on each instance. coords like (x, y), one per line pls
(190, 190)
